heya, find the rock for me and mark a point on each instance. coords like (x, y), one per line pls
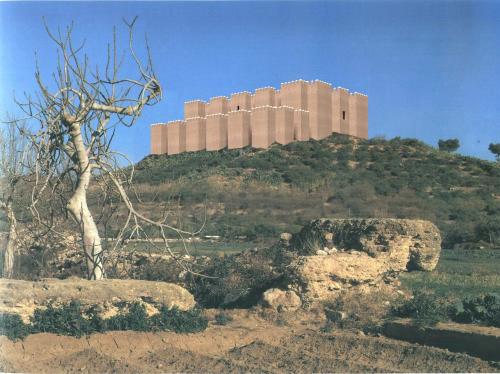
(285, 236)
(23, 297)
(410, 244)
(320, 278)
(335, 315)
(279, 299)
(321, 252)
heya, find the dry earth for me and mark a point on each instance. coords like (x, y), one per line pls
(252, 342)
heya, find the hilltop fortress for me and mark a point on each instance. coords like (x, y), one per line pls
(298, 111)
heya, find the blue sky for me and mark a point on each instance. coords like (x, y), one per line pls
(431, 69)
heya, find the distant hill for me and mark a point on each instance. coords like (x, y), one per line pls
(259, 193)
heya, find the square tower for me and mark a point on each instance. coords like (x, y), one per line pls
(294, 94)
(301, 125)
(158, 139)
(217, 105)
(262, 124)
(194, 108)
(240, 101)
(340, 111)
(320, 109)
(238, 129)
(176, 137)
(358, 109)
(264, 96)
(216, 133)
(284, 124)
(195, 134)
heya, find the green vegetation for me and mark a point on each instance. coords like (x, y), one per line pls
(425, 308)
(483, 309)
(71, 319)
(256, 194)
(449, 145)
(495, 149)
(459, 274)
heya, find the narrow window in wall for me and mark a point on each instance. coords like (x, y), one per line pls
(237, 107)
(343, 114)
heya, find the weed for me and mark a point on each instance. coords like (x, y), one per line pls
(425, 309)
(13, 326)
(222, 319)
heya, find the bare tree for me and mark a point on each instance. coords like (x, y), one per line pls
(13, 166)
(76, 117)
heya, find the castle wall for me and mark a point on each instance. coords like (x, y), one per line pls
(264, 96)
(217, 105)
(301, 125)
(320, 109)
(299, 110)
(195, 108)
(343, 113)
(240, 101)
(195, 134)
(284, 124)
(216, 132)
(358, 109)
(294, 94)
(155, 138)
(238, 129)
(262, 124)
(176, 137)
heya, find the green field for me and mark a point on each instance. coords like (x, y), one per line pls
(202, 248)
(459, 274)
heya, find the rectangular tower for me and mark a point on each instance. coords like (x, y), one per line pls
(294, 94)
(264, 96)
(358, 109)
(176, 134)
(238, 129)
(262, 126)
(158, 139)
(216, 132)
(194, 108)
(240, 101)
(301, 125)
(217, 105)
(340, 107)
(195, 134)
(284, 124)
(320, 109)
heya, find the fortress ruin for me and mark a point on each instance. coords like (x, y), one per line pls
(300, 110)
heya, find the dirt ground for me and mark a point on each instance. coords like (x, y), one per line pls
(252, 342)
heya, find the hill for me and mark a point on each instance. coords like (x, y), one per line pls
(257, 194)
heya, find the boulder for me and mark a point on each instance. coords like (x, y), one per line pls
(23, 297)
(409, 244)
(281, 300)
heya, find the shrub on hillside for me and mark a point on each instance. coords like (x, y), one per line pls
(424, 308)
(483, 310)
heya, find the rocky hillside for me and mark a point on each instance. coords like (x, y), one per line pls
(255, 194)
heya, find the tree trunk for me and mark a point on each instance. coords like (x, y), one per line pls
(9, 253)
(77, 206)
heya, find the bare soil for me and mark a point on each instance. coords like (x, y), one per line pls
(255, 341)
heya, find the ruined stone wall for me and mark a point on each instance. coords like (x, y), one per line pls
(300, 110)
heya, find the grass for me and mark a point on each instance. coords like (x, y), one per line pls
(203, 248)
(459, 274)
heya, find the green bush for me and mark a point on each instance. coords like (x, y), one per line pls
(71, 319)
(13, 326)
(483, 310)
(425, 309)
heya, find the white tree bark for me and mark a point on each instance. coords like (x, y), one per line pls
(9, 251)
(78, 207)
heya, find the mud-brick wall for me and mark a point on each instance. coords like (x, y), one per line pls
(263, 127)
(320, 109)
(176, 137)
(284, 124)
(216, 133)
(238, 129)
(196, 133)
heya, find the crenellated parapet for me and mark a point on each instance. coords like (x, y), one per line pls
(300, 110)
